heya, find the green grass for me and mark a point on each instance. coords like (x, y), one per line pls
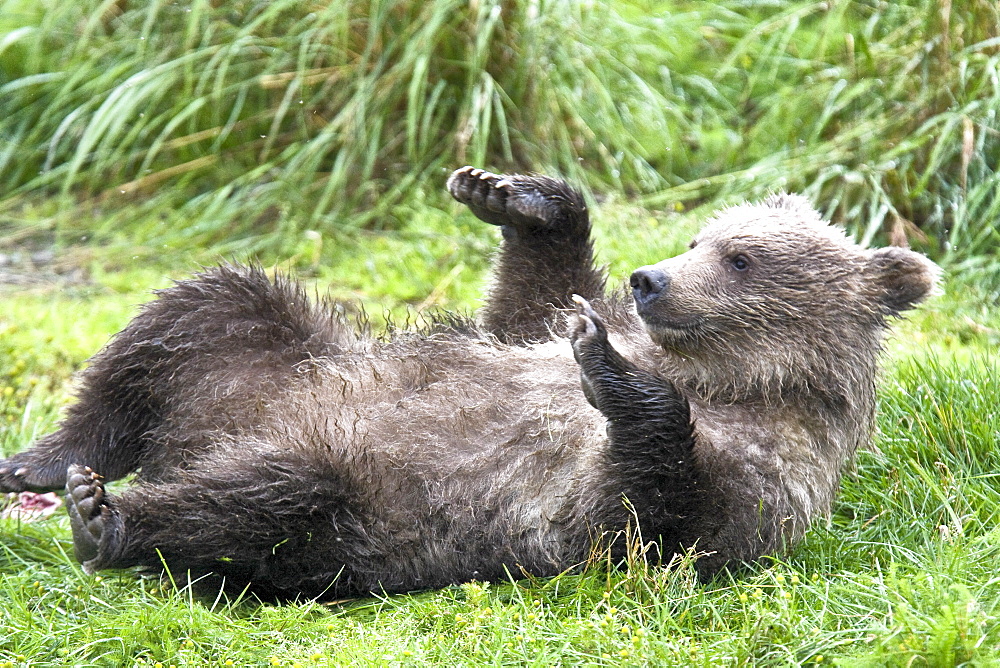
(901, 574)
(249, 124)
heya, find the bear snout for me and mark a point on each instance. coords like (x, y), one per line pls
(648, 283)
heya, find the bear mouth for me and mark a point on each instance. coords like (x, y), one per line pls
(657, 324)
(656, 316)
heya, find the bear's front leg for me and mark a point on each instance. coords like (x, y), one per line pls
(649, 457)
(546, 254)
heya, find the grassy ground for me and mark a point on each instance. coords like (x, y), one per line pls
(901, 574)
(247, 124)
(140, 140)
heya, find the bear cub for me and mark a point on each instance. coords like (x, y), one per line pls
(284, 449)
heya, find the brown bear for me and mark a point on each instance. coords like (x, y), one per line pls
(287, 450)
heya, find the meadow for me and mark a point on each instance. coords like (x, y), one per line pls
(141, 141)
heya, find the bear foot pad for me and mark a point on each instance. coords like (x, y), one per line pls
(506, 200)
(91, 517)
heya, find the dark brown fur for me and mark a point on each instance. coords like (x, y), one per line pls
(280, 448)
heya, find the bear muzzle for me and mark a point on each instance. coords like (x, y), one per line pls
(648, 283)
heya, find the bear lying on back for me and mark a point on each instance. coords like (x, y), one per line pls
(284, 449)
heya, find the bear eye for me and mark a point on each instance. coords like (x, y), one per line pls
(740, 262)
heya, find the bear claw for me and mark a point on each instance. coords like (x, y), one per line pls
(589, 325)
(12, 479)
(22, 473)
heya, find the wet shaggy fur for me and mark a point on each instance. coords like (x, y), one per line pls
(282, 448)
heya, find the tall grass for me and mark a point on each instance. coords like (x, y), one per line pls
(884, 113)
(257, 120)
(328, 113)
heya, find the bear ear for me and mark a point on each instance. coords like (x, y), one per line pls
(902, 278)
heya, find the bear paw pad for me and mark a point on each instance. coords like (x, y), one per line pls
(90, 514)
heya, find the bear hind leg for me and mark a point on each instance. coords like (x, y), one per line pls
(281, 522)
(204, 354)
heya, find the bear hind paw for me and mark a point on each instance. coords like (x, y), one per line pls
(95, 524)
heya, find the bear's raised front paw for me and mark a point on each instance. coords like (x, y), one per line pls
(481, 191)
(511, 200)
(588, 327)
(90, 516)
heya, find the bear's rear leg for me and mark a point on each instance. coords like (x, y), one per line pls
(546, 255)
(200, 359)
(16, 476)
(97, 529)
(284, 521)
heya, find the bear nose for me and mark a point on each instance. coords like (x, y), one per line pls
(648, 283)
